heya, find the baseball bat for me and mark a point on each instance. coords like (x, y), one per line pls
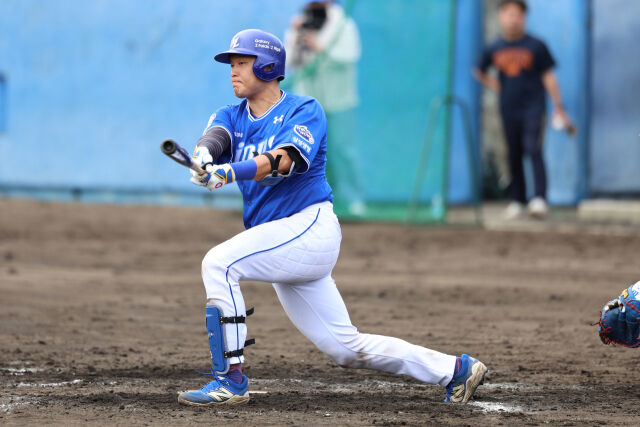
(180, 155)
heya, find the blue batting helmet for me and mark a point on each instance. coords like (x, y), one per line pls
(267, 48)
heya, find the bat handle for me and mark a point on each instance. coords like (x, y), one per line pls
(197, 169)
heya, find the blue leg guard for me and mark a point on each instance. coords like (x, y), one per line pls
(217, 343)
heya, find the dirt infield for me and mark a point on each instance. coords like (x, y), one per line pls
(101, 314)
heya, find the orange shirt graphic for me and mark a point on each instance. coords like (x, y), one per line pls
(511, 61)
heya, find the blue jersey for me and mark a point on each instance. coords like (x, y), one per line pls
(296, 121)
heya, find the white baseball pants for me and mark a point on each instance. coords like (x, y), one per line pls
(297, 255)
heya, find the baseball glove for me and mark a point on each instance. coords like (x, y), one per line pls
(620, 319)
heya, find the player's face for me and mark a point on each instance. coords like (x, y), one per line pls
(511, 18)
(244, 81)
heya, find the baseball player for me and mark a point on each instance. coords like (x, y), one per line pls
(273, 144)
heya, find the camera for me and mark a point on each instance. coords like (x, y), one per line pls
(315, 15)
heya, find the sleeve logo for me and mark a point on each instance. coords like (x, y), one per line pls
(304, 133)
(209, 123)
(211, 119)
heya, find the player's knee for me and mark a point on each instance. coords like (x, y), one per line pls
(345, 358)
(346, 353)
(213, 264)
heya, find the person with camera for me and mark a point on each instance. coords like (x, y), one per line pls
(323, 47)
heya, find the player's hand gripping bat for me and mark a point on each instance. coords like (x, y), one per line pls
(180, 155)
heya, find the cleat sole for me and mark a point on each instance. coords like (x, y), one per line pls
(235, 400)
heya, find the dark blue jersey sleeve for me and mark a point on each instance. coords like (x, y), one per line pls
(485, 59)
(543, 59)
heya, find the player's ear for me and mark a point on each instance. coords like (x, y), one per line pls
(268, 68)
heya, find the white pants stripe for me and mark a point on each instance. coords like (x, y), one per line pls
(297, 254)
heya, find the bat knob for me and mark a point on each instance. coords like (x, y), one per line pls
(168, 146)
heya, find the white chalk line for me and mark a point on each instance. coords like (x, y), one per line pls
(378, 384)
(511, 386)
(7, 407)
(16, 402)
(60, 384)
(21, 371)
(495, 407)
(529, 387)
(20, 362)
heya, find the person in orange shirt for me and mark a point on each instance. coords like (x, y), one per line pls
(525, 71)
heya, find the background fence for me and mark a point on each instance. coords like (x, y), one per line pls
(89, 89)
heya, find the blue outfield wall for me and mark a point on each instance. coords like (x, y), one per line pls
(405, 48)
(468, 43)
(614, 156)
(89, 89)
(93, 87)
(404, 67)
(565, 29)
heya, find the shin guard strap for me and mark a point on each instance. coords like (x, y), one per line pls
(236, 319)
(239, 352)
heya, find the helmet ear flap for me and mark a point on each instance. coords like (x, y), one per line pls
(264, 71)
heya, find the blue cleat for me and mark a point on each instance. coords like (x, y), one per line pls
(463, 385)
(220, 391)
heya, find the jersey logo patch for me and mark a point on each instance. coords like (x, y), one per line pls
(278, 119)
(635, 290)
(304, 133)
